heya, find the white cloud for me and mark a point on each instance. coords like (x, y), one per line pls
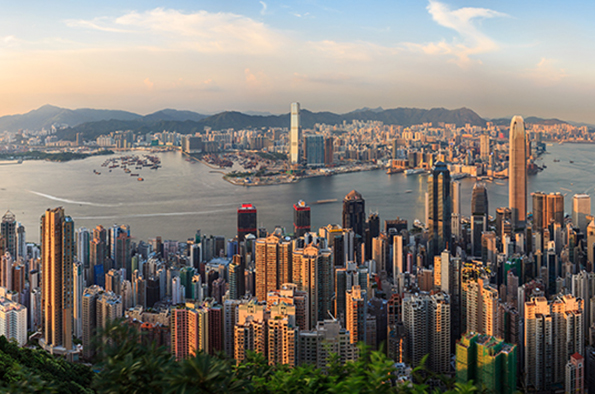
(263, 11)
(545, 73)
(148, 84)
(201, 31)
(472, 41)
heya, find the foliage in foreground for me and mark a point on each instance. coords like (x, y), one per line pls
(126, 365)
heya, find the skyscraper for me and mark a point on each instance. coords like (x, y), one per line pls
(581, 207)
(314, 150)
(273, 263)
(484, 148)
(295, 134)
(8, 231)
(456, 209)
(354, 212)
(246, 221)
(355, 314)
(57, 250)
(97, 255)
(488, 361)
(547, 209)
(237, 281)
(301, 218)
(439, 210)
(479, 216)
(517, 172)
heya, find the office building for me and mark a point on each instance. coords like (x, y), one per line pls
(246, 221)
(479, 217)
(456, 210)
(13, 321)
(8, 228)
(314, 150)
(295, 134)
(581, 208)
(329, 151)
(301, 218)
(547, 209)
(97, 255)
(79, 287)
(237, 280)
(58, 251)
(488, 361)
(484, 147)
(83, 240)
(354, 213)
(439, 210)
(517, 173)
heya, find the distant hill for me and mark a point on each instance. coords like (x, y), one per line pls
(48, 115)
(174, 114)
(530, 120)
(238, 120)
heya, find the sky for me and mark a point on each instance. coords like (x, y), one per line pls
(498, 58)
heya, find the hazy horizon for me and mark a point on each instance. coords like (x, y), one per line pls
(497, 59)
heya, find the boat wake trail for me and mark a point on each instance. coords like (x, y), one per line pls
(150, 215)
(72, 201)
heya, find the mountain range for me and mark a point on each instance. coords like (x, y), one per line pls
(92, 122)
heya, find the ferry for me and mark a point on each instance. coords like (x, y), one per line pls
(140, 179)
(325, 201)
(414, 171)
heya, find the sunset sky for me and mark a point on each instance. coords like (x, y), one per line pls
(498, 58)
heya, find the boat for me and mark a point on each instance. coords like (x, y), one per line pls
(134, 174)
(408, 191)
(139, 179)
(414, 171)
(571, 161)
(556, 160)
(325, 201)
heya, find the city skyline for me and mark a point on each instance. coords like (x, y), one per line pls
(210, 57)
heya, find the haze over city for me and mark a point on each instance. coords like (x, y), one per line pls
(498, 58)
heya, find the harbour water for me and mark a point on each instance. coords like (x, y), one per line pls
(181, 197)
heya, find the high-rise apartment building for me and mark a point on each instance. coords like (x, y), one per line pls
(301, 218)
(581, 208)
(517, 172)
(295, 134)
(488, 361)
(575, 374)
(250, 330)
(439, 210)
(282, 335)
(273, 263)
(97, 255)
(13, 321)
(354, 212)
(89, 317)
(58, 251)
(553, 332)
(355, 314)
(315, 268)
(427, 316)
(289, 294)
(246, 221)
(83, 239)
(78, 287)
(328, 338)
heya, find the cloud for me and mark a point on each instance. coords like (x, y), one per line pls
(472, 41)
(545, 73)
(263, 11)
(148, 84)
(200, 31)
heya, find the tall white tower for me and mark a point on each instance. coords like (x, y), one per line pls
(295, 134)
(517, 172)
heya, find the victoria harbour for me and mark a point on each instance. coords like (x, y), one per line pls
(183, 197)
